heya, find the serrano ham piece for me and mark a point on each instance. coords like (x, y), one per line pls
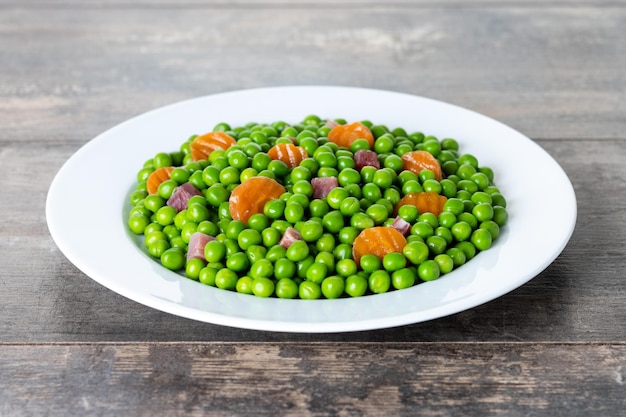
(323, 185)
(290, 236)
(181, 196)
(364, 158)
(197, 242)
(401, 225)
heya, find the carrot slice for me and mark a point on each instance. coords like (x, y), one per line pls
(425, 201)
(202, 146)
(289, 153)
(249, 197)
(344, 135)
(379, 241)
(155, 179)
(417, 161)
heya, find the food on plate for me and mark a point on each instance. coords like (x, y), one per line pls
(315, 209)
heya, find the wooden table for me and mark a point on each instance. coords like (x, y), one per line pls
(555, 71)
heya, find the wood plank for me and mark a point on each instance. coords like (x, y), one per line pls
(313, 379)
(580, 297)
(551, 73)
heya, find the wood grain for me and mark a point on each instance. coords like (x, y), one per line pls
(313, 379)
(550, 72)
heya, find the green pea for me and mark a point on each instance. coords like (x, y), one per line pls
(500, 215)
(348, 234)
(384, 144)
(297, 251)
(304, 189)
(336, 196)
(214, 251)
(157, 248)
(311, 231)
(361, 221)
(238, 262)
(422, 229)
(166, 215)
(166, 188)
(483, 212)
(217, 194)
(445, 262)
(428, 270)
(445, 233)
(328, 259)
(326, 243)
(454, 206)
(173, 259)
(447, 219)
(333, 221)
(378, 213)
(355, 286)
(263, 287)
(346, 162)
(234, 228)
(300, 173)
(403, 278)
(207, 275)
(492, 227)
(137, 224)
(383, 179)
(285, 268)
(348, 176)
(372, 192)
(394, 261)
(367, 174)
(317, 272)
(346, 267)
(249, 237)
(188, 230)
(153, 202)
(349, 206)
(432, 186)
(244, 285)
(193, 268)
(436, 244)
(278, 168)
(261, 161)
(275, 253)
(226, 279)
(481, 239)
(274, 209)
(286, 288)
(468, 249)
(370, 263)
(411, 186)
(342, 251)
(332, 287)
(379, 282)
(294, 212)
(457, 255)
(255, 253)
(309, 290)
(429, 218)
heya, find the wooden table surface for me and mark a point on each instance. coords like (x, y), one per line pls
(554, 70)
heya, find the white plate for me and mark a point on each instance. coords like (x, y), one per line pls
(87, 202)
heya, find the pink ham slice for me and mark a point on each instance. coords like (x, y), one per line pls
(323, 185)
(364, 158)
(197, 242)
(331, 123)
(290, 236)
(401, 225)
(181, 196)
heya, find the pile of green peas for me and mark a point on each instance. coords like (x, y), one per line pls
(249, 259)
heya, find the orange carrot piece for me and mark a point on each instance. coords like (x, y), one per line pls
(249, 197)
(417, 161)
(379, 241)
(289, 153)
(202, 146)
(155, 179)
(344, 135)
(425, 201)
